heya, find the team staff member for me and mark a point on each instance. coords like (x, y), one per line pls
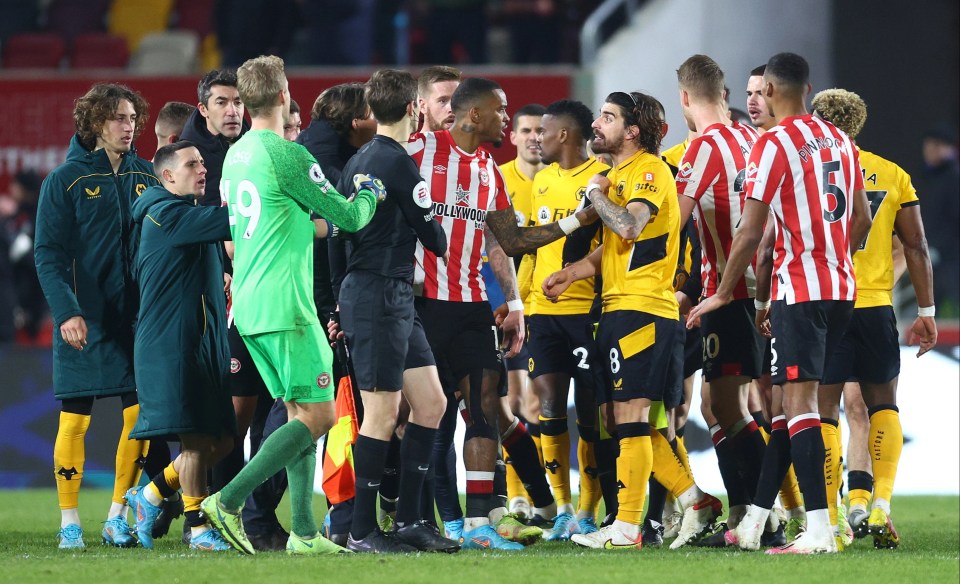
(85, 248)
(181, 356)
(378, 318)
(870, 351)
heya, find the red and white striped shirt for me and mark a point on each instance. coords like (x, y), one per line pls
(807, 171)
(464, 188)
(713, 173)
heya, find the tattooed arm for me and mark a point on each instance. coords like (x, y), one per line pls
(627, 222)
(503, 271)
(517, 240)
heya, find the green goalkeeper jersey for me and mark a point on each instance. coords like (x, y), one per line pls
(270, 185)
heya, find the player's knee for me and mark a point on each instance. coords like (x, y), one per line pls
(481, 429)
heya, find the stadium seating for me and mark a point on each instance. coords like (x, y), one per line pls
(34, 50)
(135, 19)
(70, 18)
(195, 15)
(18, 17)
(98, 50)
(167, 52)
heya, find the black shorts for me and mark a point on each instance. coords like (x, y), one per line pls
(635, 351)
(806, 336)
(673, 392)
(731, 344)
(245, 380)
(418, 349)
(521, 362)
(692, 350)
(767, 356)
(561, 344)
(463, 338)
(869, 351)
(376, 313)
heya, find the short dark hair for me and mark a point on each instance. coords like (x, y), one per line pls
(226, 77)
(643, 111)
(531, 109)
(702, 78)
(165, 155)
(470, 91)
(340, 105)
(294, 107)
(389, 92)
(173, 116)
(577, 112)
(740, 116)
(791, 70)
(758, 71)
(436, 74)
(99, 104)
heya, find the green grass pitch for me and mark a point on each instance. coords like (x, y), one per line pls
(929, 527)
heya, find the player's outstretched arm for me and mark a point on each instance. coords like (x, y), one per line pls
(557, 283)
(909, 228)
(302, 180)
(745, 244)
(516, 240)
(503, 271)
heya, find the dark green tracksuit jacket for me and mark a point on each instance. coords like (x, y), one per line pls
(181, 353)
(84, 250)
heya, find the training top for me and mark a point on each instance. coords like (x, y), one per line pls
(806, 170)
(270, 185)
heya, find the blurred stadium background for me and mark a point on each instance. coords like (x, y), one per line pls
(903, 60)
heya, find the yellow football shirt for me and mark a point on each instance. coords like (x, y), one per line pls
(638, 275)
(674, 154)
(556, 194)
(889, 189)
(519, 186)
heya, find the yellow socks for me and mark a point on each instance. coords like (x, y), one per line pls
(667, 467)
(129, 456)
(886, 443)
(633, 470)
(555, 441)
(68, 457)
(830, 430)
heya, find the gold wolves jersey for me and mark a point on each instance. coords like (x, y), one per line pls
(674, 154)
(638, 275)
(557, 194)
(519, 186)
(888, 189)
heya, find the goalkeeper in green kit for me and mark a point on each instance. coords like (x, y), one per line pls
(270, 186)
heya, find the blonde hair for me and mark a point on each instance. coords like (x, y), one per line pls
(844, 109)
(259, 81)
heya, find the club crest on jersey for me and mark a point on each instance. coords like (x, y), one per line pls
(323, 380)
(581, 193)
(421, 195)
(234, 365)
(140, 188)
(620, 188)
(543, 215)
(484, 177)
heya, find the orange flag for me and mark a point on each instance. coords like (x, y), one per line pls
(339, 480)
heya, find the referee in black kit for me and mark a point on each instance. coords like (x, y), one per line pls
(388, 345)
